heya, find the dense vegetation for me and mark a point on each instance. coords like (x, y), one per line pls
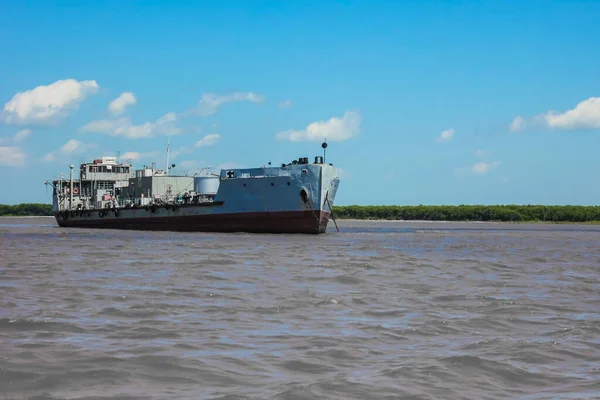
(26, 209)
(523, 213)
(515, 213)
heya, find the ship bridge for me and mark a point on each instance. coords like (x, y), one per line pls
(105, 169)
(99, 182)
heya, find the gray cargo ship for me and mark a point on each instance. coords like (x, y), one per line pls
(292, 198)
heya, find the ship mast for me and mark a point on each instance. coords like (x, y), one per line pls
(167, 163)
(71, 187)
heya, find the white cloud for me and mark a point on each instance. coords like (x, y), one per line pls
(105, 126)
(134, 155)
(165, 125)
(479, 168)
(482, 153)
(73, 146)
(208, 140)
(284, 104)
(173, 154)
(445, 135)
(18, 137)
(210, 102)
(131, 155)
(517, 124)
(11, 156)
(118, 105)
(47, 104)
(22, 135)
(334, 129)
(483, 167)
(585, 115)
(49, 157)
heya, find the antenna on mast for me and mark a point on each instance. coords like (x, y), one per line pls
(324, 146)
(167, 162)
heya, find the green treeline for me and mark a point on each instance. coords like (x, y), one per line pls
(26, 209)
(512, 213)
(523, 213)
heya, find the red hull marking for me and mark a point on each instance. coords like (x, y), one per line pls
(257, 222)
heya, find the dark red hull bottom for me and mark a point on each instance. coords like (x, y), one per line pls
(260, 222)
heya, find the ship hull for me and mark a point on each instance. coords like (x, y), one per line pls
(308, 222)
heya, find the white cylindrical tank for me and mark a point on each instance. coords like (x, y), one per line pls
(206, 184)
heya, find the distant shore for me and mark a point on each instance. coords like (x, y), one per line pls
(424, 221)
(473, 213)
(461, 213)
(26, 216)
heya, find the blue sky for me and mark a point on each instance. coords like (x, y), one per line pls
(422, 102)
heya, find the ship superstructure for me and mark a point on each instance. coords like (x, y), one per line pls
(293, 197)
(99, 183)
